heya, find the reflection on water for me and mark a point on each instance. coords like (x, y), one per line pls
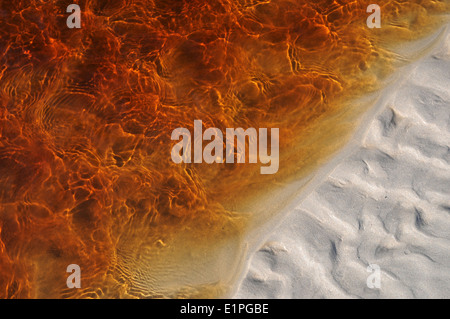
(86, 116)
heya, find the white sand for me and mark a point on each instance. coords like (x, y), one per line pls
(386, 202)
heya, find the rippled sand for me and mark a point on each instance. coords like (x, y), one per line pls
(86, 117)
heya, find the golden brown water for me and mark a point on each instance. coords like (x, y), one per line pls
(86, 116)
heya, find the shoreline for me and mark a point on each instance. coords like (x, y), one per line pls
(299, 190)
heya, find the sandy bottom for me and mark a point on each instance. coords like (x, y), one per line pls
(386, 202)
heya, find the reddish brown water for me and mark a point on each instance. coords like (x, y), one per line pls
(86, 117)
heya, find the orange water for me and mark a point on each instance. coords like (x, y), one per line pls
(86, 116)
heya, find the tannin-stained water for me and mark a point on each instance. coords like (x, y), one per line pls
(86, 117)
